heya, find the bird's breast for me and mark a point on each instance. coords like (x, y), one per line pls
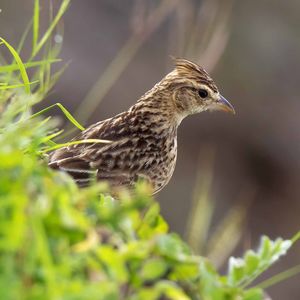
(161, 163)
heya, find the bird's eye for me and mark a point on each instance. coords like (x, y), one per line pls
(203, 93)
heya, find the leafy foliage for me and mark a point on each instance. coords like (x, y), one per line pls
(59, 242)
(244, 271)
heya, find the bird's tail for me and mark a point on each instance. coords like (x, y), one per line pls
(75, 166)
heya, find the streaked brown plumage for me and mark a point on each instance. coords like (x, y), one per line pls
(144, 138)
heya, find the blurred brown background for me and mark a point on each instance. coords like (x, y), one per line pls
(252, 49)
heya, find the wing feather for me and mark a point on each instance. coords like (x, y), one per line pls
(108, 162)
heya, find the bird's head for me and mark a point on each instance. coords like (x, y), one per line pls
(192, 90)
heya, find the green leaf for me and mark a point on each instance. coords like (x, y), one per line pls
(173, 247)
(153, 223)
(252, 262)
(211, 286)
(115, 265)
(253, 294)
(185, 271)
(19, 63)
(170, 290)
(153, 268)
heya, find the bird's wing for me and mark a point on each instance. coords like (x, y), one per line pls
(116, 162)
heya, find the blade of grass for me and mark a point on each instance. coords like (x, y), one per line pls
(20, 65)
(43, 88)
(67, 114)
(229, 230)
(296, 237)
(19, 48)
(227, 235)
(47, 34)
(280, 277)
(87, 141)
(24, 36)
(202, 207)
(52, 136)
(44, 121)
(36, 24)
(5, 87)
(50, 143)
(15, 67)
(48, 50)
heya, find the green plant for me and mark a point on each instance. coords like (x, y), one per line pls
(59, 242)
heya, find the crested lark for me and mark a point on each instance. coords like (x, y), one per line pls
(144, 138)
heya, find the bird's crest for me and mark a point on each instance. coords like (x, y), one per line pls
(187, 68)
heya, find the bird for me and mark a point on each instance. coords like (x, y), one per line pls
(143, 139)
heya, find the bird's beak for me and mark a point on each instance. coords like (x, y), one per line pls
(225, 105)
